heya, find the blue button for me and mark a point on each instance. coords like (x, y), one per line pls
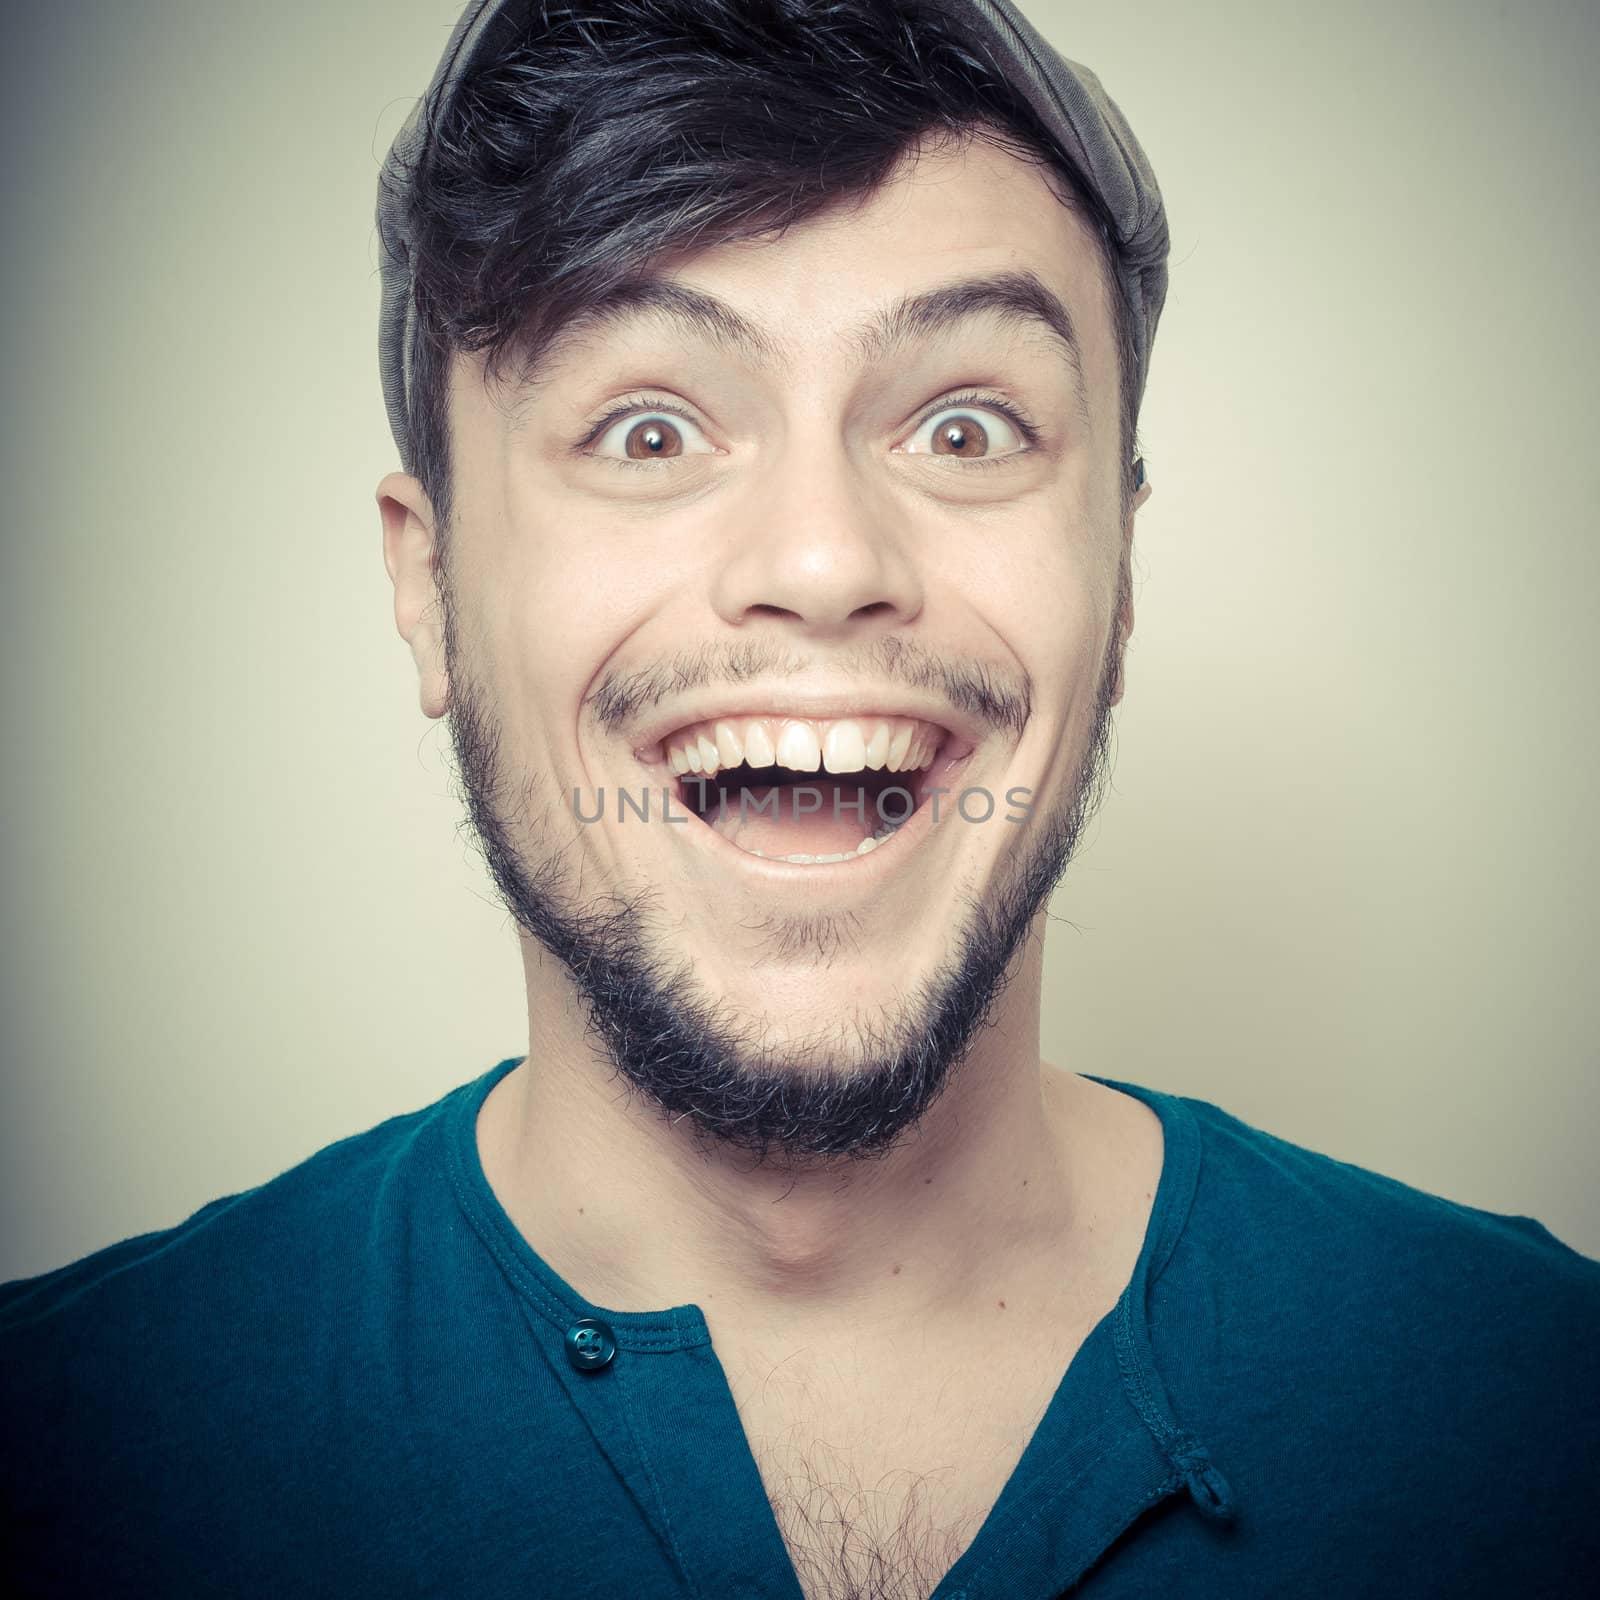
(590, 1344)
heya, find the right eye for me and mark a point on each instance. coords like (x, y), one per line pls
(653, 433)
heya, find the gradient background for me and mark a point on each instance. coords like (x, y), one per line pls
(1345, 882)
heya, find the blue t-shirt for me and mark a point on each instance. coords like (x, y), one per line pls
(360, 1380)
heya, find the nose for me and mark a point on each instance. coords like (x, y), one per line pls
(817, 544)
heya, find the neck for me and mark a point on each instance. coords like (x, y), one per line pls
(638, 1217)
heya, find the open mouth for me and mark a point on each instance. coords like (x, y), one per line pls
(810, 791)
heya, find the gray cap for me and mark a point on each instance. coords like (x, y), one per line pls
(1068, 97)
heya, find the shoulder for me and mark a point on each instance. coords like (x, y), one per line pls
(156, 1377)
(1382, 1370)
(1292, 1191)
(258, 1253)
(1391, 1381)
(229, 1373)
(1356, 1266)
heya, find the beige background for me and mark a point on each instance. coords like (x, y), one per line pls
(1344, 885)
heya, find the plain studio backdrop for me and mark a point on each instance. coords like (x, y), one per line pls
(1344, 883)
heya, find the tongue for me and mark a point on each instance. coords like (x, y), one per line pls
(791, 820)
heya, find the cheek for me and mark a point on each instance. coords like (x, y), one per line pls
(561, 593)
(1050, 594)
(554, 582)
(1069, 637)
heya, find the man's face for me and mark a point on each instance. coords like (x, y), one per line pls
(844, 556)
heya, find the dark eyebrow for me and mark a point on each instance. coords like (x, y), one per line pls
(1019, 298)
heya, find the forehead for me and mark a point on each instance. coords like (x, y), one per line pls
(964, 243)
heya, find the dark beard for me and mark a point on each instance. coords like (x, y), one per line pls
(722, 1082)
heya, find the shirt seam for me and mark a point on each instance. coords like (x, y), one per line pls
(1109, 1433)
(628, 1410)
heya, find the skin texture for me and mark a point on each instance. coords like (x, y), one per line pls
(804, 533)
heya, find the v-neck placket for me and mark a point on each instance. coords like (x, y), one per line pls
(656, 1400)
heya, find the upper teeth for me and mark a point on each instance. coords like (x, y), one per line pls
(803, 744)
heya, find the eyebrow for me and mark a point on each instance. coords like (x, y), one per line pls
(1020, 299)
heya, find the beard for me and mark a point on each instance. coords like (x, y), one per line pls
(839, 1095)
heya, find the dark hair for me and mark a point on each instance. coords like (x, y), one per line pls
(607, 132)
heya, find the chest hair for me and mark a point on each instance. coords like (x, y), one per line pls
(847, 1540)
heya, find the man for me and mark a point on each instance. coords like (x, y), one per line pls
(767, 380)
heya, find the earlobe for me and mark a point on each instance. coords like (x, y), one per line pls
(410, 554)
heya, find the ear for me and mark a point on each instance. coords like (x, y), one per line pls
(1125, 586)
(410, 552)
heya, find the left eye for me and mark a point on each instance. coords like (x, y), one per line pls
(650, 436)
(965, 432)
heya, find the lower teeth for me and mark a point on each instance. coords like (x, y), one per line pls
(866, 847)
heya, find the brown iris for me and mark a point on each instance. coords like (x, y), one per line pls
(647, 440)
(961, 436)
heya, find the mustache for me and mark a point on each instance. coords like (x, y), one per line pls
(1004, 700)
